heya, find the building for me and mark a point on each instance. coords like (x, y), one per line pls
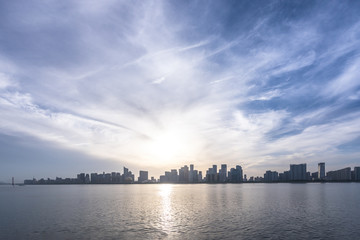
(184, 174)
(200, 178)
(321, 171)
(314, 176)
(191, 173)
(339, 175)
(174, 178)
(222, 173)
(163, 179)
(143, 176)
(81, 178)
(285, 176)
(356, 173)
(215, 169)
(236, 174)
(127, 176)
(211, 174)
(87, 178)
(298, 172)
(271, 176)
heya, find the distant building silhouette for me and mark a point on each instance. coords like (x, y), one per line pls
(298, 172)
(356, 173)
(143, 176)
(174, 178)
(211, 175)
(321, 171)
(200, 177)
(191, 173)
(271, 176)
(81, 178)
(339, 175)
(236, 174)
(314, 176)
(285, 176)
(127, 177)
(185, 175)
(222, 173)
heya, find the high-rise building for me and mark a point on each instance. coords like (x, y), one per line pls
(357, 173)
(339, 175)
(215, 169)
(94, 178)
(298, 172)
(87, 178)
(240, 173)
(143, 176)
(285, 176)
(200, 176)
(184, 174)
(174, 178)
(314, 176)
(211, 174)
(236, 174)
(222, 173)
(271, 176)
(191, 173)
(321, 171)
(127, 177)
(81, 178)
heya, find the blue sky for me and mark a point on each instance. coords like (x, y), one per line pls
(90, 86)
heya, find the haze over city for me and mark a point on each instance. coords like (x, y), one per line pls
(95, 86)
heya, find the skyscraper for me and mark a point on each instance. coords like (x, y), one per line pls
(357, 173)
(236, 174)
(271, 176)
(200, 176)
(211, 174)
(339, 175)
(191, 173)
(222, 173)
(298, 172)
(214, 169)
(321, 171)
(143, 176)
(184, 174)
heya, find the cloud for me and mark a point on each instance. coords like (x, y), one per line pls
(4, 81)
(267, 96)
(129, 82)
(348, 80)
(159, 80)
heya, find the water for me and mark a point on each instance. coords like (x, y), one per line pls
(204, 211)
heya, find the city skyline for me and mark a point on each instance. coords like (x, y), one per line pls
(87, 86)
(188, 174)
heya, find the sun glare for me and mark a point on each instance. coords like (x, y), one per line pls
(173, 144)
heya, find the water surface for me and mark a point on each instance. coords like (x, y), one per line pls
(182, 211)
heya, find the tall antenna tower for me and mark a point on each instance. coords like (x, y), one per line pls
(13, 183)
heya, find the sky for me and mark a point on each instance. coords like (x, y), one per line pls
(92, 86)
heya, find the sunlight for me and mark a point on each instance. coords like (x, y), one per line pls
(166, 216)
(165, 190)
(175, 143)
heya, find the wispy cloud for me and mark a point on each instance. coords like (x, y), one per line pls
(136, 83)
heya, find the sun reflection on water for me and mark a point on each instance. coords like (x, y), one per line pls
(166, 220)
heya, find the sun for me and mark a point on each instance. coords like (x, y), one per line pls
(175, 144)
